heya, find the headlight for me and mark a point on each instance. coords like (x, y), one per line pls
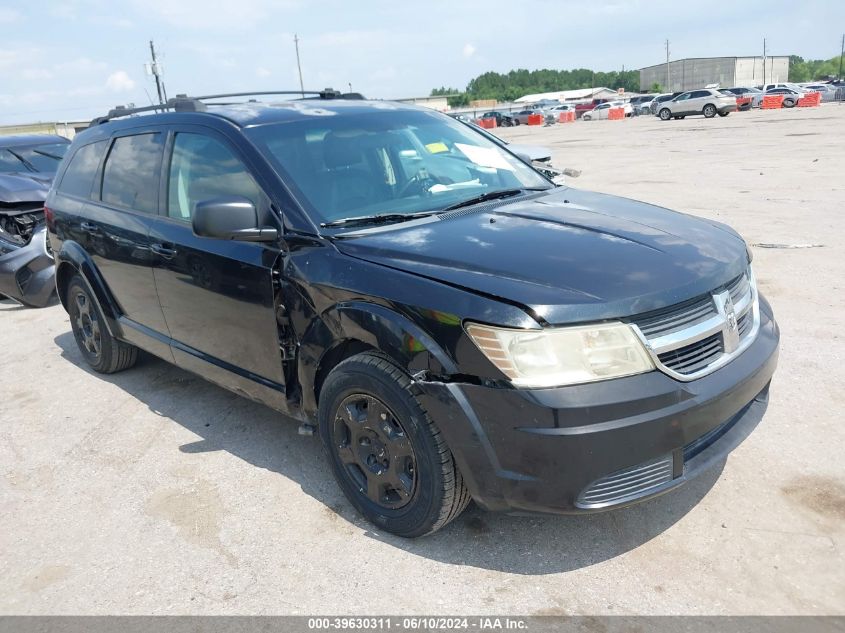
(562, 356)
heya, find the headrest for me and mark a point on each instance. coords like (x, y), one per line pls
(342, 150)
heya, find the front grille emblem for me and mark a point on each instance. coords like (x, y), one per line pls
(730, 332)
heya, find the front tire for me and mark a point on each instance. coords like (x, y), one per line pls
(724, 114)
(788, 103)
(665, 114)
(386, 453)
(103, 353)
(709, 111)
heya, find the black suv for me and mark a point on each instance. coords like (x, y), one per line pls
(456, 326)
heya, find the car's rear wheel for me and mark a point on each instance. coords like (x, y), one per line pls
(665, 114)
(709, 111)
(788, 103)
(104, 353)
(387, 455)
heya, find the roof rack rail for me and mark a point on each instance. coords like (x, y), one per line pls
(184, 103)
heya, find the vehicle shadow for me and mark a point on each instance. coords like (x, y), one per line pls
(264, 438)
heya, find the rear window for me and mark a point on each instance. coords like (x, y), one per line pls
(78, 178)
(132, 171)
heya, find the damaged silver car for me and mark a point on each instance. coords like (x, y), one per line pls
(28, 164)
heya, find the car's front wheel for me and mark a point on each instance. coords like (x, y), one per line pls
(104, 353)
(709, 111)
(788, 103)
(387, 455)
(665, 114)
(724, 113)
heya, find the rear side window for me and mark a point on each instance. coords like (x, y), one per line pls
(9, 162)
(78, 178)
(131, 173)
(203, 168)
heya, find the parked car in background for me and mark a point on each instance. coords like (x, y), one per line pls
(403, 294)
(655, 104)
(502, 119)
(28, 164)
(788, 85)
(602, 111)
(790, 96)
(581, 108)
(707, 102)
(521, 117)
(755, 94)
(640, 104)
(827, 91)
(462, 117)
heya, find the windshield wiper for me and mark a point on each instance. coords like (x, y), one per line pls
(492, 195)
(379, 218)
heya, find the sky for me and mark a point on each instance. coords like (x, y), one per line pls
(75, 59)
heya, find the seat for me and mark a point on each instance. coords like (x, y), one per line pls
(351, 183)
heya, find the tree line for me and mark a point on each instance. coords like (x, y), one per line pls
(517, 83)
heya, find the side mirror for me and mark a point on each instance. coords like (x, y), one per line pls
(230, 218)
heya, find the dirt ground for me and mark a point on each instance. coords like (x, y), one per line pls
(155, 492)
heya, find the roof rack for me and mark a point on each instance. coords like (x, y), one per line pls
(184, 103)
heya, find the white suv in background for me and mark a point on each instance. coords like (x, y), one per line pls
(706, 101)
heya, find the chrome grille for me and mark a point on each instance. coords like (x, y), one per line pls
(694, 357)
(627, 484)
(696, 337)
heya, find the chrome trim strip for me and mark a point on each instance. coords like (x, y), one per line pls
(750, 302)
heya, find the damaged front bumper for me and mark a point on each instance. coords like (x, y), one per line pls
(27, 273)
(597, 446)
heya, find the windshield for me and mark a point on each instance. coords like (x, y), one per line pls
(388, 162)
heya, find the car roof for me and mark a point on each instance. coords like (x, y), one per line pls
(26, 140)
(252, 113)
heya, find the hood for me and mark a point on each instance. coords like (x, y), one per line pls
(24, 186)
(568, 255)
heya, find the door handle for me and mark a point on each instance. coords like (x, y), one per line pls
(163, 251)
(89, 228)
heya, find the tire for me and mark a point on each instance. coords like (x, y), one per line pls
(724, 114)
(788, 103)
(665, 114)
(709, 111)
(386, 453)
(103, 353)
(516, 122)
(680, 117)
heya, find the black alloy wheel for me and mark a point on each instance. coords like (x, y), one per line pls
(374, 449)
(85, 323)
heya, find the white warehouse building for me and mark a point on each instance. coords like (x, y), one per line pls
(698, 72)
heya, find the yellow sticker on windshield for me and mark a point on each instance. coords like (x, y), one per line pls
(437, 148)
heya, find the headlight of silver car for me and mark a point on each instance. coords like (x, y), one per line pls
(562, 356)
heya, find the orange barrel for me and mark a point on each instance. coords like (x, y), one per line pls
(535, 119)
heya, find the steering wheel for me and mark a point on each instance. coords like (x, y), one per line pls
(422, 180)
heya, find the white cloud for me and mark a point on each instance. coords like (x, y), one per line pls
(120, 81)
(469, 50)
(262, 72)
(7, 16)
(80, 65)
(35, 74)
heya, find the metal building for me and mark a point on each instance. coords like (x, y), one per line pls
(697, 72)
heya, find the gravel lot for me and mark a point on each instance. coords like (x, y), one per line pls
(153, 491)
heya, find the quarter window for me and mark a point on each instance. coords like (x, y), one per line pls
(202, 168)
(78, 178)
(131, 173)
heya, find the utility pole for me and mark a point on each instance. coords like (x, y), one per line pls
(156, 71)
(764, 63)
(299, 67)
(841, 53)
(668, 89)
